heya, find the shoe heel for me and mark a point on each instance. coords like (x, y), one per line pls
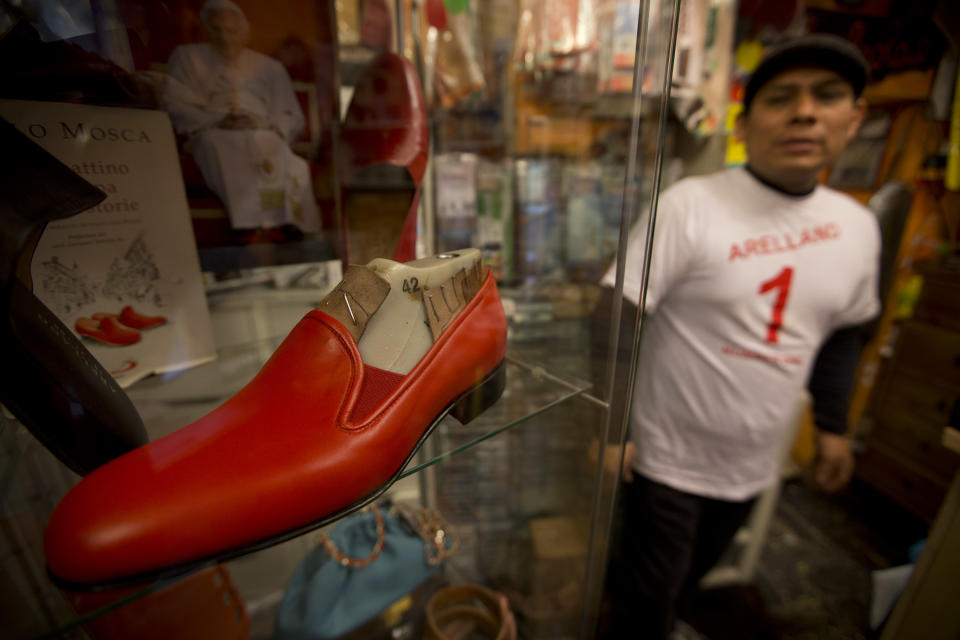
(37, 189)
(58, 391)
(49, 381)
(478, 399)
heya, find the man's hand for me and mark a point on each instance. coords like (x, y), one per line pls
(834, 463)
(610, 459)
(626, 469)
(243, 120)
(235, 121)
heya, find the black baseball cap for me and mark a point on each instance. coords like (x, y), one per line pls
(812, 50)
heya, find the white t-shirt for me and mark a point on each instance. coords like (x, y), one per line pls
(745, 284)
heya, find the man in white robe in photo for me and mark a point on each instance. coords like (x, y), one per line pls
(238, 111)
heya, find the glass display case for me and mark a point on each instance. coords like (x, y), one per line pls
(249, 153)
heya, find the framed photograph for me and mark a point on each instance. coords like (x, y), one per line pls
(247, 88)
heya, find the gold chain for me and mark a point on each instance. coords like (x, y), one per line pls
(440, 542)
(357, 563)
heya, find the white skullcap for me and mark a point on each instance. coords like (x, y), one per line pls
(222, 5)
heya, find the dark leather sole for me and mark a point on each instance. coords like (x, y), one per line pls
(49, 381)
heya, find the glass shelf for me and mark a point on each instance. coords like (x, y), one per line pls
(565, 155)
(167, 402)
(251, 256)
(530, 391)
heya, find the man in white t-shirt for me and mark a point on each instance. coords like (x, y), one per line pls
(758, 276)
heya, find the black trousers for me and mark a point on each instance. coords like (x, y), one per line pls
(668, 541)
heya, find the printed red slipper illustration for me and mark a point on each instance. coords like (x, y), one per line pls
(118, 329)
(128, 317)
(135, 320)
(324, 428)
(106, 328)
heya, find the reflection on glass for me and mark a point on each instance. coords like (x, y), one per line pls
(238, 111)
(528, 163)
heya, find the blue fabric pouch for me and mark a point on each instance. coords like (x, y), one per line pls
(325, 599)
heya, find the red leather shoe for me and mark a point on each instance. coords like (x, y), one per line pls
(385, 145)
(324, 428)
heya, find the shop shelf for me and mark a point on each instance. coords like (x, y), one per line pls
(167, 402)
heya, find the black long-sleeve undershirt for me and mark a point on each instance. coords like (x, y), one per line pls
(832, 378)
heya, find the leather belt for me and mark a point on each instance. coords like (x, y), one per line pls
(468, 603)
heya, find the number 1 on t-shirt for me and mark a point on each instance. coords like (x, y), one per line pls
(780, 282)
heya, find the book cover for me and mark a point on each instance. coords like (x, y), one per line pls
(123, 275)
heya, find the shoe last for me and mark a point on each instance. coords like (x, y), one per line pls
(385, 128)
(386, 122)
